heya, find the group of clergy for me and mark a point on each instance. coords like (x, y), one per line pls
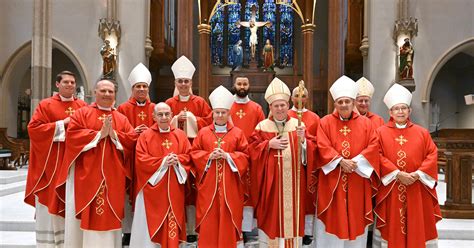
(179, 170)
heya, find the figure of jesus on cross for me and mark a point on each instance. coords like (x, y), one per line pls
(253, 25)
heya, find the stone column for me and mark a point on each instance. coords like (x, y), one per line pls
(185, 28)
(308, 61)
(204, 60)
(41, 52)
(148, 43)
(335, 45)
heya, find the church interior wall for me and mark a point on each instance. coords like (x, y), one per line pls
(436, 36)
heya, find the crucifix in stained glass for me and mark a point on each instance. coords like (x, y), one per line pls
(253, 26)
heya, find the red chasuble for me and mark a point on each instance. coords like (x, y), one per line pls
(137, 115)
(376, 120)
(100, 173)
(164, 202)
(407, 215)
(344, 199)
(310, 119)
(274, 172)
(45, 155)
(220, 191)
(246, 117)
(196, 105)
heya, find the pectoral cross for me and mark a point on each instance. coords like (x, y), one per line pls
(167, 144)
(70, 111)
(142, 115)
(345, 130)
(102, 117)
(401, 140)
(240, 114)
(218, 142)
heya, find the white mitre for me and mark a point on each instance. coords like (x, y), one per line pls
(139, 74)
(221, 98)
(277, 90)
(183, 68)
(397, 94)
(344, 87)
(365, 87)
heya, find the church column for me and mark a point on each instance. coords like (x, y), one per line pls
(364, 47)
(308, 60)
(41, 49)
(185, 28)
(204, 60)
(336, 44)
(148, 42)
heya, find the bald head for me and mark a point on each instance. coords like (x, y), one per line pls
(295, 97)
(161, 106)
(105, 93)
(162, 115)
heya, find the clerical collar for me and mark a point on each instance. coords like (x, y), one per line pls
(401, 126)
(220, 129)
(345, 119)
(65, 99)
(164, 130)
(295, 109)
(104, 108)
(141, 104)
(184, 98)
(280, 122)
(241, 100)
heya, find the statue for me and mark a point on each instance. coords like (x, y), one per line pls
(109, 60)
(238, 55)
(268, 56)
(406, 60)
(253, 25)
(80, 93)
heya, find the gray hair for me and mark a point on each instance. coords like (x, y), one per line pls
(160, 105)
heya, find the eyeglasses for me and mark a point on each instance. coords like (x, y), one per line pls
(183, 81)
(161, 115)
(400, 109)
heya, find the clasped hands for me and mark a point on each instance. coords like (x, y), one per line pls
(281, 143)
(107, 129)
(218, 153)
(348, 166)
(182, 116)
(406, 178)
(172, 160)
(140, 129)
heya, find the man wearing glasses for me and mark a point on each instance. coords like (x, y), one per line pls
(191, 113)
(161, 167)
(407, 205)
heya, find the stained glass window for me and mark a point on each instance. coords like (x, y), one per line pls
(225, 34)
(217, 37)
(233, 15)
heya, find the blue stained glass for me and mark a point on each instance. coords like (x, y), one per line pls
(217, 37)
(233, 15)
(269, 14)
(245, 42)
(286, 36)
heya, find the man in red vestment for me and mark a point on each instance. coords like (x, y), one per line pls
(220, 157)
(279, 149)
(407, 206)
(344, 205)
(47, 131)
(161, 166)
(139, 112)
(93, 173)
(363, 101)
(190, 114)
(246, 114)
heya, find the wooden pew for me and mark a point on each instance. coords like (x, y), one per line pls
(20, 148)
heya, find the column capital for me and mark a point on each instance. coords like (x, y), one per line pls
(308, 28)
(204, 28)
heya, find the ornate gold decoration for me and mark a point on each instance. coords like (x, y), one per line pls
(346, 149)
(345, 130)
(171, 225)
(100, 200)
(401, 140)
(402, 190)
(70, 111)
(102, 117)
(142, 115)
(241, 113)
(167, 144)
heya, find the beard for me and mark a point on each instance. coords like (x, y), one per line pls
(242, 92)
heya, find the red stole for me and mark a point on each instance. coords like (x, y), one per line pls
(99, 205)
